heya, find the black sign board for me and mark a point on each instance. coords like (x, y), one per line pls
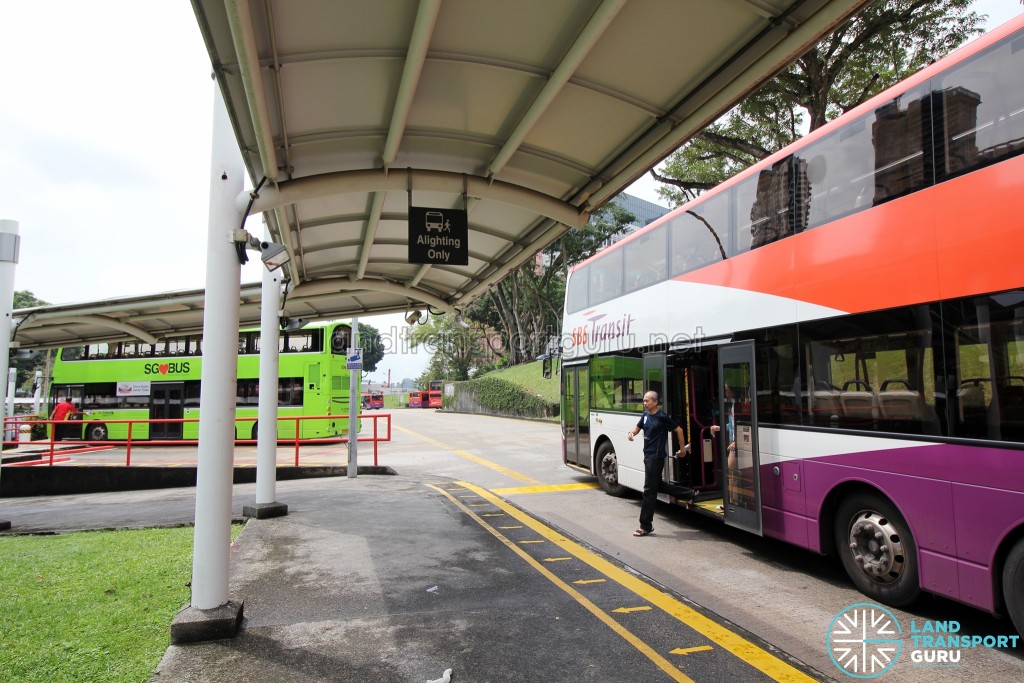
(438, 236)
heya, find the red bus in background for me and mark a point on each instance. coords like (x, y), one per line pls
(373, 400)
(432, 396)
(415, 399)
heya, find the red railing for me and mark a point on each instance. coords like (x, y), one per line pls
(16, 424)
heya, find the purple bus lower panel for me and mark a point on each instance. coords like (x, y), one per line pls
(938, 574)
(976, 585)
(786, 526)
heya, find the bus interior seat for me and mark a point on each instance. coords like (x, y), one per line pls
(971, 398)
(900, 404)
(860, 402)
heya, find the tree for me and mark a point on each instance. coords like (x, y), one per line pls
(26, 367)
(372, 345)
(883, 44)
(456, 351)
(525, 308)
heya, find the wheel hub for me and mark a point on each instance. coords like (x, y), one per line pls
(610, 468)
(877, 548)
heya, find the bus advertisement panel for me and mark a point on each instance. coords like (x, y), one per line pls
(129, 380)
(838, 332)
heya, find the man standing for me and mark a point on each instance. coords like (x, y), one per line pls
(656, 425)
(62, 411)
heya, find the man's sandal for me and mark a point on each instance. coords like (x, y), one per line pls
(643, 532)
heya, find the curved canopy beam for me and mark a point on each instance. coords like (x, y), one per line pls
(341, 284)
(376, 180)
(100, 320)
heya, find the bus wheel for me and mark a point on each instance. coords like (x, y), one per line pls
(877, 550)
(96, 432)
(607, 468)
(1013, 585)
(255, 430)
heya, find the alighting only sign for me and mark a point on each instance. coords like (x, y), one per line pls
(438, 236)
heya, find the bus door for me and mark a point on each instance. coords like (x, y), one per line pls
(655, 379)
(166, 402)
(739, 454)
(576, 414)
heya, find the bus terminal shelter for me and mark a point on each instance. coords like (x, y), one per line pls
(406, 156)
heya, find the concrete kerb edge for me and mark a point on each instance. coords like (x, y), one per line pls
(193, 625)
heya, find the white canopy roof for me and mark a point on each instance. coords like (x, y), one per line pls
(532, 113)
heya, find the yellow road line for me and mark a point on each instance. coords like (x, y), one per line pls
(545, 489)
(689, 650)
(607, 619)
(472, 458)
(746, 651)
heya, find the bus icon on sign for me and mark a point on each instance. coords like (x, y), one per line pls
(435, 221)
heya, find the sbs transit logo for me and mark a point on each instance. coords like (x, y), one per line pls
(864, 640)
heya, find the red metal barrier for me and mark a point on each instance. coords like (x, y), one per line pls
(375, 439)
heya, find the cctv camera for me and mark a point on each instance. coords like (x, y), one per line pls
(274, 255)
(413, 317)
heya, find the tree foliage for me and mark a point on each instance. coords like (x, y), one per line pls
(455, 351)
(525, 308)
(26, 367)
(886, 42)
(372, 346)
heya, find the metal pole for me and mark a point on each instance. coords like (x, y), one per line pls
(12, 386)
(10, 243)
(270, 333)
(354, 405)
(37, 396)
(210, 557)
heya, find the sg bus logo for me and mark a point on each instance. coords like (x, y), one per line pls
(864, 640)
(165, 368)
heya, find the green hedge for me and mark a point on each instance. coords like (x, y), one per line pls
(498, 397)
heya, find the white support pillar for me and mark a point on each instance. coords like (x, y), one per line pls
(10, 243)
(355, 404)
(220, 373)
(266, 446)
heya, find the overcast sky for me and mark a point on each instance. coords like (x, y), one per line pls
(105, 118)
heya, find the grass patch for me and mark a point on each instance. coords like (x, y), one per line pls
(529, 377)
(91, 606)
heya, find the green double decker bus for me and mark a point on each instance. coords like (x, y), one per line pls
(112, 382)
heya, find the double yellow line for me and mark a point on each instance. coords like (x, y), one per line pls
(735, 644)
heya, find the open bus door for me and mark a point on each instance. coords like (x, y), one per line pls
(739, 450)
(576, 414)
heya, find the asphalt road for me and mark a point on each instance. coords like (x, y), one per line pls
(695, 589)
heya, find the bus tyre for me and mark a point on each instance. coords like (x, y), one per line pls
(255, 430)
(96, 432)
(1013, 585)
(607, 468)
(877, 550)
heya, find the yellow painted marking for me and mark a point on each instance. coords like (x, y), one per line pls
(768, 664)
(555, 559)
(478, 505)
(545, 489)
(493, 514)
(630, 610)
(537, 541)
(473, 458)
(581, 581)
(689, 650)
(467, 497)
(607, 619)
(513, 526)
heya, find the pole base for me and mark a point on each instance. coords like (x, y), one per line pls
(265, 510)
(193, 625)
